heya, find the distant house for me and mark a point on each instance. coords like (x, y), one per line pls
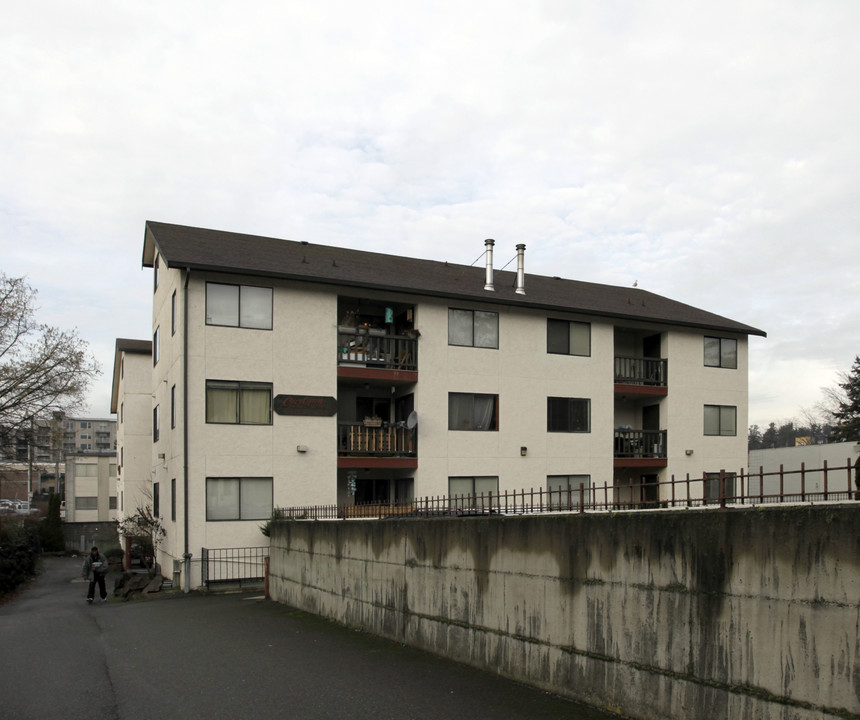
(287, 373)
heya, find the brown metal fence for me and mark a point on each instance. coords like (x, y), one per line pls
(717, 490)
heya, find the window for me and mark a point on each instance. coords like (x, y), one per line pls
(86, 503)
(156, 499)
(122, 412)
(156, 424)
(239, 403)
(155, 273)
(721, 352)
(173, 500)
(156, 346)
(568, 414)
(568, 338)
(721, 420)
(112, 502)
(173, 406)
(473, 328)
(566, 490)
(470, 492)
(82, 470)
(471, 411)
(712, 487)
(239, 306)
(238, 498)
(173, 313)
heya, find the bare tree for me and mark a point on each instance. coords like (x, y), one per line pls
(42, 368)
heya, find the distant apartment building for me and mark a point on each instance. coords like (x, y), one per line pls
(89, 435)
(90, 487)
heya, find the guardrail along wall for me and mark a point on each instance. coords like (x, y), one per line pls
(668, 614)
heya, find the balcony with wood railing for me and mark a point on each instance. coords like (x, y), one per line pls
(641, 375)
(640, 448)
(372, 348)
(385, 440)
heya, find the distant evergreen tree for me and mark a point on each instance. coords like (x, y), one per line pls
(847, 414)
(52, 527)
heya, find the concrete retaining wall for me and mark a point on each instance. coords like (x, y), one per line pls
(666, 614)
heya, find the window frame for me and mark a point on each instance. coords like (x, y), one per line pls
(570, 324)
(240, 386)
(494, 420)
(473, 312)
(722, 354)
(550, 416)
(173, 313)
(711, 487)
(240, 287)
(572, 490)
(239, 480)
(461, 500)
(720, 409)
(156, 424)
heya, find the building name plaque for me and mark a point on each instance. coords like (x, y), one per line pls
(313, 405)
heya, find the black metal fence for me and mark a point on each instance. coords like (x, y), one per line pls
(246, 565)
(716, 490)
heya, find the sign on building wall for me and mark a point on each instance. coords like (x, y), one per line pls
(309, 405)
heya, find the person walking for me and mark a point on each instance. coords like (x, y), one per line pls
(94, 569)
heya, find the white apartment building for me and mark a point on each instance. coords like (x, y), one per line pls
(90, 488)
(286, 373)
(131, 402)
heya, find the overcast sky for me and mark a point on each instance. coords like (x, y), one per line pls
(709, 151)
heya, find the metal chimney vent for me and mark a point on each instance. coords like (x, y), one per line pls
(488, 283)
(521, 272)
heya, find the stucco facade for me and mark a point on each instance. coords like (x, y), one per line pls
(390, 359)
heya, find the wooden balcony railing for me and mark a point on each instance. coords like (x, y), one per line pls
(387, 440)
(369, 348)
(640, 444)
(641, 371)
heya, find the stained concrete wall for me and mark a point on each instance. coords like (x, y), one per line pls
(666, 614)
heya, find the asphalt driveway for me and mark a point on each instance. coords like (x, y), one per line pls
(226, 656)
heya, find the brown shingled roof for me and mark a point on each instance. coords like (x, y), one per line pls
(219, 251)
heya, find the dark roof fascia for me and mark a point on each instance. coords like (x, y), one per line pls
(504, 282)
(124, 345)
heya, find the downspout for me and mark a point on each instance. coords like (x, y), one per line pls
(186, 576)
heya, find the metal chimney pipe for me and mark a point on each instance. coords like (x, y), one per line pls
(489, 280)
(521, 271)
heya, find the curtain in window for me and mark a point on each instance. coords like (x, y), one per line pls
(482, 418)
(222, 402)
(486, 329)
(580, 338)
(256, 498)
(460, 327)
(256, 307)
(728, 420)
(222, 499)
(222, 304)
(255, 405)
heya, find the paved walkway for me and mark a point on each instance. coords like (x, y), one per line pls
(226, 656)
